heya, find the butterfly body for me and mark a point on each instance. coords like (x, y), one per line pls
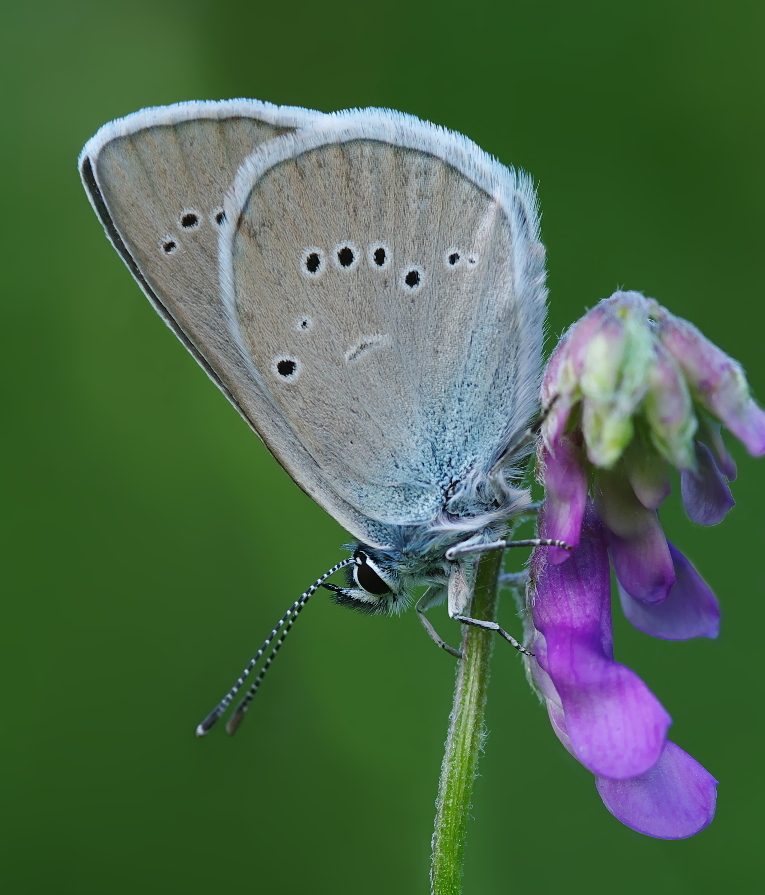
(368, 291)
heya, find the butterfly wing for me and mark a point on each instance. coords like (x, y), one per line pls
(385, 281)
(157, 180)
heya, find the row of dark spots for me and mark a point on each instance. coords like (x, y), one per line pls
(346, 258)
(190, 220)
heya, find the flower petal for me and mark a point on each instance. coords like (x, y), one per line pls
(648, 474)
(558, 723)
(709, 433)
(616, 726)
(604, 359)
(717, 380)
(669, 410)
(557, 394)
(690, 610)
(636, 541)
(748, 425)
(565, 481)
(614, 379)
(674, 800)
(706, 495)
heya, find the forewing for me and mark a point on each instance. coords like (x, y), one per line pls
(157, 180)
(385, 281)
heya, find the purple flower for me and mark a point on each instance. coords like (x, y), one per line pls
(638, 389)
(602, 711)
(716, 380)
(631, 391)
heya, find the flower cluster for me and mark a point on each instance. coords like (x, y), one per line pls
(630, 391)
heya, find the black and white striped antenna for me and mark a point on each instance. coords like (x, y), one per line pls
(285, 623)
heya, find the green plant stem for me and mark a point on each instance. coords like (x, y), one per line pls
(466, 734)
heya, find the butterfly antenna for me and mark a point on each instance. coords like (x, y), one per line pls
(236, 719)
(285, 622)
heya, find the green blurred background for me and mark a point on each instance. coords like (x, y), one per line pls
(150, 541)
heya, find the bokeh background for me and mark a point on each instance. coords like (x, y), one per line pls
(150, 541)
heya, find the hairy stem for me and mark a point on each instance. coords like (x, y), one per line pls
(465, 737)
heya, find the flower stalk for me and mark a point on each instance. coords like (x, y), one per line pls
(466, 735)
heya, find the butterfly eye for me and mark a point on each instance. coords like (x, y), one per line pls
(368, 577)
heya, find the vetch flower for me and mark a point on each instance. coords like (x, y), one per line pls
(601, 711)
(633, 390)
(630, 391)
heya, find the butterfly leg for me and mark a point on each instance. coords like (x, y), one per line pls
(427, 600)
(434, 636)
(468, 549)
(492, 626)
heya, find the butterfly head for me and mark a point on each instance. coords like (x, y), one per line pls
(374, 584)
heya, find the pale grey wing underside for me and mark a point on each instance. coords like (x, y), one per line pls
(386, 281)
(157, 180)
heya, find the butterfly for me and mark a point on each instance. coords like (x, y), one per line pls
(368, 290)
